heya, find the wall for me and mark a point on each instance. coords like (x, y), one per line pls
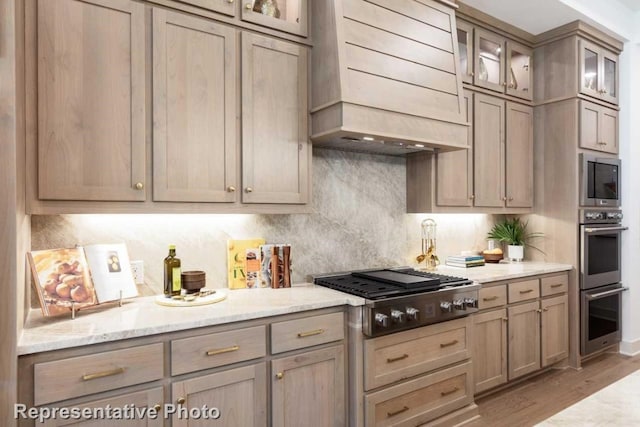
(358, 221)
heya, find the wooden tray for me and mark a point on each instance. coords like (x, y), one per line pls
(219, 295)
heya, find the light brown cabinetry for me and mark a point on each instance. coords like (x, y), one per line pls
(309, 389)
(275, 149)
(598, 127)
(598, 72)
(524, 339)
(490, 349)
(226, 7)
(194, 104)
(290, 16)
(91, 100)
(555, 329)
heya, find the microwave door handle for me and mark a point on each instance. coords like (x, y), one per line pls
(604, 229)
(606, 293)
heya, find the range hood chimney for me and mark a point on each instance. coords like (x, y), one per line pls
(385, 76)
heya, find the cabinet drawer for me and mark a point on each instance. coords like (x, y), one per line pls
(422, 399)
(554, 285)
(494, 296)
(83, 375)
(522, 291)
(217, 349)
(300, 333)
(414, 352)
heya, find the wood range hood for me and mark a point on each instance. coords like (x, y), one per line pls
(385, 76)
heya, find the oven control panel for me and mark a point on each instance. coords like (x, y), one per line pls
(598, 216)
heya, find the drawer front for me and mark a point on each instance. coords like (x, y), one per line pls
(217, 349)
(554, 285)
(494, 296)
(414, 352)
(522, 291)
(422, 399)
(83, 375)
(306, 332)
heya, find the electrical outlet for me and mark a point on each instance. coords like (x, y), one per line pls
(137, 268)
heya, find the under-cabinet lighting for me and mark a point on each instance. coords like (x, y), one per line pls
(368, 138)
(419, 145)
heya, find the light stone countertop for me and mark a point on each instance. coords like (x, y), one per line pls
(142, 316)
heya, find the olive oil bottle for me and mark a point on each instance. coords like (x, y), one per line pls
(172, 282)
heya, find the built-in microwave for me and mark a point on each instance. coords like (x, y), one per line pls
(599, 181)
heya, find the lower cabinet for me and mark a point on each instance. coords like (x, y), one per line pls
(524, 339)
(239, 394)
(308, 389)
(555, 329)
(490, 349)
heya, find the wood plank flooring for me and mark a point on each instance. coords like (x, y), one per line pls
(537, 399)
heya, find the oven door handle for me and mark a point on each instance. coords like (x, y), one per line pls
(606, 293)
(604, 229)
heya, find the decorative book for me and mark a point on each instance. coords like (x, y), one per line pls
(237, 251)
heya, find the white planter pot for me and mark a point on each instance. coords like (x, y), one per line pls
(515, 252)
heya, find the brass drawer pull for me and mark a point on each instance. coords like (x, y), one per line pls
(310, 333)
(449, 344)
(493, 298)
(528, 291)
(399, 411)
(447, 393)
(557, 285)
(280, 375)
(395, 359)
(223, 350)
(89, 377)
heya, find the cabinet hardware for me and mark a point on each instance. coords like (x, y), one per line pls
(538, 311)
(310, 333)
(230, 1)
(247, 6)
(399, 411)
(181, 401)
(446, 393)
(504, 199)
(472, 74)
(248, 190)
(231, 189)
(472, 197)
(528, 291)
(545, 309)
(557, 285)
(493, 298)
(511, 85)
(510, 199)
(448, 344)
(504, 84)
(89, 377)
(223, 350)
(139, 186)
(505, 319)
(279, 375)
(395, 359)
(157, 407)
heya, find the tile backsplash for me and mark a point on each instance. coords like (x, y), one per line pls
(358, 221)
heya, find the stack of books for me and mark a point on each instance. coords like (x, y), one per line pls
(465, 261)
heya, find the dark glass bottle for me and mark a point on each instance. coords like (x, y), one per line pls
(172, 283)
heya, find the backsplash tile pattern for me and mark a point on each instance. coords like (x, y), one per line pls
(358, 221)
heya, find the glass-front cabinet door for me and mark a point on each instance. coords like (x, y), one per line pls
(465, 50)
(283, 15)
(609, 77)
(489, 61)
(519, 73)
(589, 69)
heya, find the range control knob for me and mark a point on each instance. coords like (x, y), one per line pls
(446, 307)
(471, 302)
(458, 304)
(412, 313)
(397, 316)
(591, 215)
(382, 320)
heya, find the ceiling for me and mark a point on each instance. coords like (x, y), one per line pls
(631, 4)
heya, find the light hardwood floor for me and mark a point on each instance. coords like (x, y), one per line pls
(535, 400)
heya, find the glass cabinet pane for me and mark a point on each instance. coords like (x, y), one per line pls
(285, 10)
(590, 77)
(519, 74)
(610, 77)
(490, 55)
(463, 49)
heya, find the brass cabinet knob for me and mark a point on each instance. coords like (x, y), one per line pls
(139, 186)
(472, 197)
(231, 189)
(157, 407)
(472, 74)
(181, 401)
(248, 190)
(505, 319)
(248, 6)
(279, 375)
(229, 1)
(504, 199)
(510, 199)
(504, 84)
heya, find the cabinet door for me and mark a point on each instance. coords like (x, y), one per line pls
(284, 15)
(555, 329)
(239, 394)
(524, 339)
(91, 100)
(519, 160)
(489, 349)
(609, 73)
(142, 399)
(519, 72)
(275, 156)
(226, 7)
(489, 63)
(465, 50)
(608, 130)
(194, 107)
(590, 126)
(488, 149)
(308, 389)
(590, 69)
(454, 180)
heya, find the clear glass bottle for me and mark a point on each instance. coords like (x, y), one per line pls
(172, 279)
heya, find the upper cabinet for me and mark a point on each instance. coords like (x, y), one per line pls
(465, 49)
(91, 100)
(598, 72)
(489, 60)
(290, 16)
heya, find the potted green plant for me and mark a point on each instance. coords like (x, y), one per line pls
(513, 232)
